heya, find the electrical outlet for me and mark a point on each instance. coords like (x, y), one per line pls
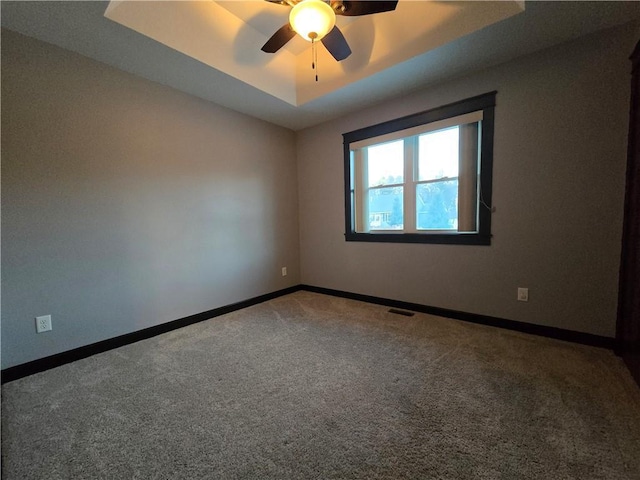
(284, 271)
(43, 324)
(523, 294)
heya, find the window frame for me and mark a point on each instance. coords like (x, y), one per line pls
(485, 103)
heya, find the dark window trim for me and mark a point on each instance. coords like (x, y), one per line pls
(486, 103)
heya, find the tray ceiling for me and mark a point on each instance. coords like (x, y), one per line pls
(212, 49)
(227, 36)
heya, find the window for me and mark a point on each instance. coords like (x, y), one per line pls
(425, 178)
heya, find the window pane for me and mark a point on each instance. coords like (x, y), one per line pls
(437, 205)
(443, 156)
(386, 164)
(438, 154)
(385, 209)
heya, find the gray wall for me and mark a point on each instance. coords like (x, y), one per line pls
(559, 163)
(126, 204)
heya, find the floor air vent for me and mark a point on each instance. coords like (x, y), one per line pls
(401, 312)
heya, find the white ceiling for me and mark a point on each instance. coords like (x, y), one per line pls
(227, 36)
(217, 56)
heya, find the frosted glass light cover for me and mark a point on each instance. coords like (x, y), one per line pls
(312, 19)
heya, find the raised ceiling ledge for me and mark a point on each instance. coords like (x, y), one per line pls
(228, 35)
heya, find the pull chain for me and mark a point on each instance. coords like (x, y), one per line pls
(314, 57)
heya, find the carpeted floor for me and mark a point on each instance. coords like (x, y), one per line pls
(309, 386)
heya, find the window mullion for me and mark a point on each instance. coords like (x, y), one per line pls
(409, 191)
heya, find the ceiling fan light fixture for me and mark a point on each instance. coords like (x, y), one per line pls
(312, 19)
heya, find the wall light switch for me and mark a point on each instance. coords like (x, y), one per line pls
(284, 271)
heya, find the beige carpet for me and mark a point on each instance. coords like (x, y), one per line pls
(309, 386)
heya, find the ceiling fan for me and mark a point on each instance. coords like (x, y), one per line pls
(315, 20)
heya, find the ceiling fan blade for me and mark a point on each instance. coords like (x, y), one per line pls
(281, 2)
(336, 44)
(356, 8)
(279, 39)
